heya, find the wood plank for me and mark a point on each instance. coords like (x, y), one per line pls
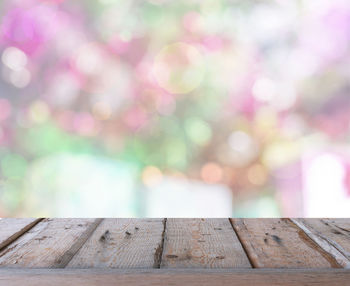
(279, 243)
(50, 243)
(202, 243)
(122, 243)
(332, 235)
(12, 228)
(174, 277)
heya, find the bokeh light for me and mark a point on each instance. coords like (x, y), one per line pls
(172, 106)
(179, 68)
(211, 173)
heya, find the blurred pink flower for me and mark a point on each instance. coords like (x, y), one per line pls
(28, 28)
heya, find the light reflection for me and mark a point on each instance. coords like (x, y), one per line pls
(14, 58)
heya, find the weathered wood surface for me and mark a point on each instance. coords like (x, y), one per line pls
(175, 243)
(174, 277)
(122, 243)
(279, 243)
(49, 244)
(12, 228)
(202, 243)
(332, 235)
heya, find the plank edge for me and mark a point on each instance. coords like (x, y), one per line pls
(19, 233)
(157, 277)
(323, 243)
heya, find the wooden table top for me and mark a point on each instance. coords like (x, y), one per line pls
(174, 251)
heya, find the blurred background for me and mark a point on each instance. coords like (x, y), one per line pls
(174, 108)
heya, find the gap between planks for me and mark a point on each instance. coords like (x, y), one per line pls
(240, 241)
(202, 243)
(159, 251)
(271, 242)
(17, 234)
(68, 255)
(43, 246)
(122, 243)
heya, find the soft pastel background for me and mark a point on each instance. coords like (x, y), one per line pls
(174, 108)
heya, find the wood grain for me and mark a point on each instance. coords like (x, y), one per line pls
(202, 243)
(279, 243)
(174, 277)
(121, 243)
(332, 235)
(51, 243)
(12, 228)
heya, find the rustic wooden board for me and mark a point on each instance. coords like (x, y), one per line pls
(12, 228)
(122, 243)
(174, 277)
(333, 235)
(279, 243)
(50, 243)
(202, 243)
